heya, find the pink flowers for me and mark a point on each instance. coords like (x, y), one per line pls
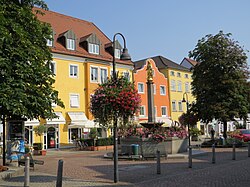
(115, 99)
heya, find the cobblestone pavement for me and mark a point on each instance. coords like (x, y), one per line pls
(86, 168)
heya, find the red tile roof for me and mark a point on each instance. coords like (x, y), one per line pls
(61, 23)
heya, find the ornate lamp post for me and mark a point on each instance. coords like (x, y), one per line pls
(189, 143)
(124, 56)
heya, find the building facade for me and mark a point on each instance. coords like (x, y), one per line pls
(82, 58)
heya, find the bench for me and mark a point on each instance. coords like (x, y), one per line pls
(21, 161)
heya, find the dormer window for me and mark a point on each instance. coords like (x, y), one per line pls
(94, 49)
(68, 39)
(117, 53)
(71, 44)
(91, 43)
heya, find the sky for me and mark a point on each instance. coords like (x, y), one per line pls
(170, 28)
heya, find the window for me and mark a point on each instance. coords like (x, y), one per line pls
(142, 111)
(70, 44)
(173, 85)
(179, 86)
(154, 89)
(49, 42)
(174, 106)
(140, 88)
(74, 100)
(104, 75)
(73, 70)
(172, 73)
(163, 90)
(163, 111)
(126, 75)
(180, 105)
(186, 76)
(117, 53)
(94, 49)
(94, 74)
(178, 74)
(53, 67)
(186, 87)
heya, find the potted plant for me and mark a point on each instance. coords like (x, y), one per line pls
(39, 131)
(194, 132)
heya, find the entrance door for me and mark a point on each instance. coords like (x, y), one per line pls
(51, 137)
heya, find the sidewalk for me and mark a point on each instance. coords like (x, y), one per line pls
(86, 168)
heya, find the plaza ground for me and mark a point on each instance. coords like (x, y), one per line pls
(87, 168)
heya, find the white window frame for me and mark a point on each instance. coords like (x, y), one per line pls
(173, 85)
(178, 74)
(140, 83)
(172, 73)
(74, 103)
(118, 53)
(154, 89)
(70, 44)
(53, 67)
(49, 42)
(164, 90)
(103, 79)
(186, 76)
(174, 109)
(73, 74)
(143, 109)
(92, 78)
(166, 113)
(187, 89)
(94, 48)
(180, 106)
(179, 86)
(126, 74)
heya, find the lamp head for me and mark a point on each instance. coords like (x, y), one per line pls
(125, 55)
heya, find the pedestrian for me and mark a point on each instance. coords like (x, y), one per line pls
(212, 133)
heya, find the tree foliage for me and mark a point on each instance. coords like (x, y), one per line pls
(26, 82)
(220, 79)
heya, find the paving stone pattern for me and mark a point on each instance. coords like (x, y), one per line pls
(86, 168)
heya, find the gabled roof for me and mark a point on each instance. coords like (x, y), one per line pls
(191, 61)
(161, 63)
(61, 23)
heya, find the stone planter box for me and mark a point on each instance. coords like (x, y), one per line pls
(99, 148)
(148, 148)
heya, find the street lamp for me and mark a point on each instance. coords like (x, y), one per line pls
(124, 56)
(189, 143)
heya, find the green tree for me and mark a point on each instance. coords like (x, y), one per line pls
(26, 82)
(220, 79)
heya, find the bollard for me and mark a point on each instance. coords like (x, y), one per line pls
(190, 157)
(249, 149)
(27, 172)
(158, 156)
(233, 158)
(213, 154)
(59, 174)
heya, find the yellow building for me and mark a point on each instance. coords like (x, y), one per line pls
(82, 58)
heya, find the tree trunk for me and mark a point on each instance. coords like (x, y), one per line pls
(225, 129)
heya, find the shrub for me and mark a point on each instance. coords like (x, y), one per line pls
(37, 146)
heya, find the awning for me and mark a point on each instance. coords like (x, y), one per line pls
(58, 120)
(78, 119)
(32, 122)
(91, 124)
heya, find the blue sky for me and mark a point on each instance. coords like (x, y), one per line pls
(170, 28)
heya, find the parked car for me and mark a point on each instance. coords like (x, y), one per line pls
(241, 134)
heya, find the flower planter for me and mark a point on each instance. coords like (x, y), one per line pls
(39, 152)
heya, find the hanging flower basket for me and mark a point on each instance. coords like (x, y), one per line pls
(114, 99)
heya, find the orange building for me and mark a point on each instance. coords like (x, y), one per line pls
(161, 96)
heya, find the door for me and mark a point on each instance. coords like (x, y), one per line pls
(51, 137)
